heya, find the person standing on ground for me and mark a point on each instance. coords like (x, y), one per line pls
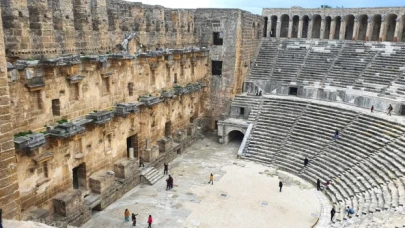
(389, 110)
(372, 108)
(306, 161)
(134, 219)
(336, 134)
(141, 162)
(211, 179)
(166, 169)
(318, 185)
(126, 215)
(332, 214)
(280, 184)
(1, 218)
(170, 182)
(150, 220)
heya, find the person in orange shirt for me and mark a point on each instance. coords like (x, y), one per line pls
(126, 215)
(211, 179)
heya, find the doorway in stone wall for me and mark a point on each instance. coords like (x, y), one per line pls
(79, 176)
(132, 142)
(168, 129)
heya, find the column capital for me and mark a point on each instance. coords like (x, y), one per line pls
(383, 18)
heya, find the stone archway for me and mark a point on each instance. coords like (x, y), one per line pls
(266, 20)
(338, 21)
(391, 25)
(349, 27)
(376, 27)
(273, 26)
(295, 24)
(236, 136)
(363, 24)
(316, 26)
(285, 20)
(328, 21)
(305, 25)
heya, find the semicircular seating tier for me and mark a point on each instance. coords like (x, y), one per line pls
(367, 66)
(366, 164)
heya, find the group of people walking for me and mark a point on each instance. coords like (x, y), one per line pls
(389, 109)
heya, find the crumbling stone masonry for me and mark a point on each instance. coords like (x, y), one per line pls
(89, 87)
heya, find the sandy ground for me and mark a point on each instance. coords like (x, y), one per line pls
(235, 200)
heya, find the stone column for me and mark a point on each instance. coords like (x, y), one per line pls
(310, 26)
(300, 24)
(383, 29)
(131, 153)
(278, 27)
(342, 29)
(290, 28)
(356, 28)
(332, 28)
(398, 29)
(370, 26)
(322, 32)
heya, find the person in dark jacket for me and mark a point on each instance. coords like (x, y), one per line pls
(134, 219)
(280, 184)
(390, 110)
(336, 134)
(306, 161)
(141, 162)
(332, 214)
(166, 169)
(170, 182)
(372, 108)
(318, 185)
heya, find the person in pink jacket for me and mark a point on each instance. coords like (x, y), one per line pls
(150, 221)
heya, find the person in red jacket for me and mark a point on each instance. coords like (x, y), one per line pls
(150, 221)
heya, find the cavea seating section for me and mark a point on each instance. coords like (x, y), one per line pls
(370, 66)
(366, 164)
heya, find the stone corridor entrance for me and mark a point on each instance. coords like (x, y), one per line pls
(79, 176)
(235, 136)
(132, 142)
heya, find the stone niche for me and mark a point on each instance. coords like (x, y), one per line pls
(67, 203)
(180, 136)
(165, 145)
(191, 130)
(100, 181)
(125, 168)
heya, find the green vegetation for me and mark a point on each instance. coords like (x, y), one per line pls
(62, 121)
(24, 133)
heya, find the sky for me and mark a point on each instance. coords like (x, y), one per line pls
(256, 6)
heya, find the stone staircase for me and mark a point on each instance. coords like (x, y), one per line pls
(366, 164)
(152, 175)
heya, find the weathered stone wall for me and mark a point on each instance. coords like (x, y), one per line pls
(370, 24)
(100, 146)
(9, 191)
(241, 32)
(54, 27)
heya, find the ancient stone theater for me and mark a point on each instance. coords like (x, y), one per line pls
(91, 90)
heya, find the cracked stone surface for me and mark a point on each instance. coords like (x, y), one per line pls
(195, 203)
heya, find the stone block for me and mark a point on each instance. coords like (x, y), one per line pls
(125, 168)
(180, 136)
(191, 130)
(150, 154)
(165, 144)
(100, 181)
(67, 203)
